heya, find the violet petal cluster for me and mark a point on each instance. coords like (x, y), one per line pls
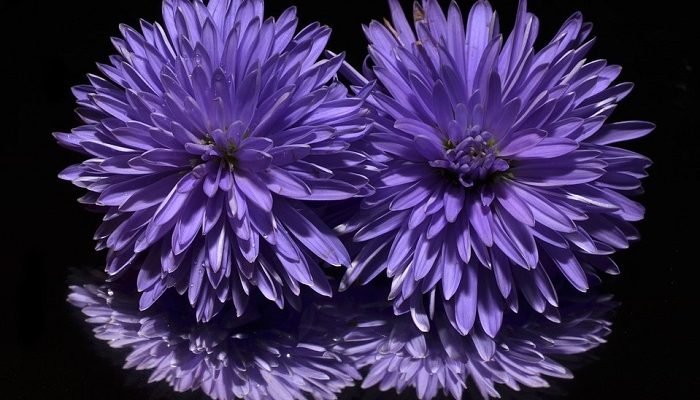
(502, 168)
(206, 140)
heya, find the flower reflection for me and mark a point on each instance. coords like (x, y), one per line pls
(318, 351)
(528, 350)
(268, 354)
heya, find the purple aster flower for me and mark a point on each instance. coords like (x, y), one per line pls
(264, 354)
(525, 354)
(205, 141)
(501, 165)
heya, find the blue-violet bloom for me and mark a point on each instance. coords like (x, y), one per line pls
(207, 138)
(502, 169)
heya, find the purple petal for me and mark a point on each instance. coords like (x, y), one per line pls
(429, 147)
(466, 300)
(253, 160)
(413, 195)
(451, 272)
(254, 189)
(550, 147)
(312, 232)
(519, 142)
(490, 306)
(481, 221)
(567, 263)
(622, 131)
(427, 251)
(513, 204)
(454, 201)
(286, 184)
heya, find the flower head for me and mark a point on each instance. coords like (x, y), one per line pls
(265, 354)
(526, 352)
(500, 170)
(206, 139)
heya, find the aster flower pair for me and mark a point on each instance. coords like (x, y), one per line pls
(483, 169)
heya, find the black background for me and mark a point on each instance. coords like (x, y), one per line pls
(48, 46)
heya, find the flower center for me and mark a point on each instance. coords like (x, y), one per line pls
(225, 151)
(471, 161)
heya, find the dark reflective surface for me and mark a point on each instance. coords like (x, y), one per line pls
(266, 353)
(49, 46)
(330, 345)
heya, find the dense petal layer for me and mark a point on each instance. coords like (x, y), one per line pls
(205, 137)
(499, 172)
